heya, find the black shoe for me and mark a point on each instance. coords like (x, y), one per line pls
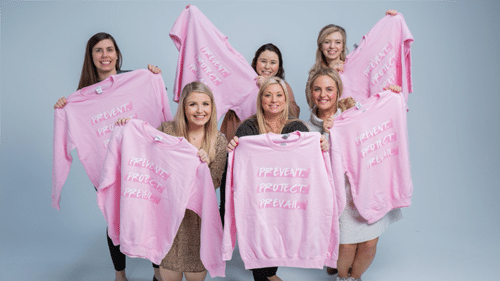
(331, 271)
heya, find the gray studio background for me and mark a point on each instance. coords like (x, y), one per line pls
(451, 232)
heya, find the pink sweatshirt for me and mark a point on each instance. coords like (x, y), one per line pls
(205, 55)
(148, 181)
(382, 58)
(87, 121)
(370, 145)
(281, 202)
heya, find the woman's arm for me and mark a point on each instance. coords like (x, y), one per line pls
(218, 164)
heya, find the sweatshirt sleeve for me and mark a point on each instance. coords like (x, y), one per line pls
(178, 35)
(202, 200)
(162, 92)
(338, 173)
(229, 238)
(109, 189)
(333, 245)
(61, 157)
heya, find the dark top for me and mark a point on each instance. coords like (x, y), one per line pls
(250, 127)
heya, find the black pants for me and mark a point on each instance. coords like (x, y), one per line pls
(261, 274)
(117, 256)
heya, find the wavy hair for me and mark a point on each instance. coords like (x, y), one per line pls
(181, 123)
(323, 33)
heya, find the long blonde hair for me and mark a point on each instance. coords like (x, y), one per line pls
(264, 127)
(180, 121)
(323, 33)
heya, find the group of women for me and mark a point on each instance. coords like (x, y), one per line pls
(278, 113)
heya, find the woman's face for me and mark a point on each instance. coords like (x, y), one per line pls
(332, 46)
(198, 109)
(324, 93)
(273, 100)
(104, 56)
(267, 64)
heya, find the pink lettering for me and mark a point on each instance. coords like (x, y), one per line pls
(282, 204)
(144, 163)
(141, 194)
(146, 179)
(373, 132)
(111, 113)
(283, 188)
(284, 172)
(379, 143)
(380, 158)
(215, 62)
(385, 68)
(378, 58)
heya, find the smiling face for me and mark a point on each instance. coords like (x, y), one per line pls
(267, 64)
(104, 57)
(332, 47)
(198, 109)
(273, 100)
(324, 95)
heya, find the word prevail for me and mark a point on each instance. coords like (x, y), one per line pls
(282, 203)
(141, 194)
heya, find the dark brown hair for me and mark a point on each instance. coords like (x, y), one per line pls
(89, 74)
(269, 47)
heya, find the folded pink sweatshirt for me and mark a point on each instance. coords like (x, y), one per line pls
(148, 181)
(281, 202)
(87, 121)
(370, 146)
(205, 55)
(382, 58)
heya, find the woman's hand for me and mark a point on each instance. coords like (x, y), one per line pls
(259, 80)
(391, 12)
(393, 88)
(60, 103)
(339, 67)
(232, 144)
(328, 124)
(324, 143)
(154, 69)
(203, 156)
(122, 121)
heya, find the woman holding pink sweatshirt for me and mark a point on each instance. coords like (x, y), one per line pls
(102, 59)
(272, 116)
(196, 121)
(358, 239)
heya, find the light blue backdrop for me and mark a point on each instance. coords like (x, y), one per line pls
(451, 229)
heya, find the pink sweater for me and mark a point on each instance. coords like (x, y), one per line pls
(205, 55)
(382, 58)
(281, 202)
(370, 145)
(87, 121)
(148, 181)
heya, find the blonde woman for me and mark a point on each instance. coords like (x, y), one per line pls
(272, 116)
(196, 121)
(358, 239)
